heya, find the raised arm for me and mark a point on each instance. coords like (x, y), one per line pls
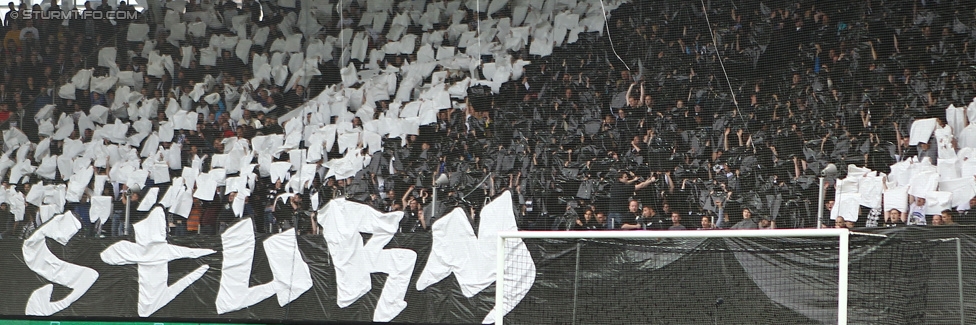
(406, 195)
(630, 90)
(897, 139)
(725, 139)
(645, 183)
(667, 179)
(491, 184)
(422, 218)
(643, 92)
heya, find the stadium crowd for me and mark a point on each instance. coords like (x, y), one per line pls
(667, 117)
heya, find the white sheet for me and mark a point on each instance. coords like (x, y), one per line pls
(896, 198)
(205, 188)
(107, 57)
(36, 194)
(39, 258)
(137, 179)
(149, 200)
(82, 78)
(937, 201)
(152, 253)
(280, 171)
(101, 208)
(923, 182)
(921, 131)
(291, 274)
(77, 184)
(67, 91)
(48, 168)
(846, 205)
(208, 56)
(962, 190)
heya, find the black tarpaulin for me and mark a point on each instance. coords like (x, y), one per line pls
(908, 277)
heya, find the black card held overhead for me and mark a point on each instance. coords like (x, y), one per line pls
(480, 98)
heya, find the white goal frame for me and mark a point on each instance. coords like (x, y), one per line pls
(842, 234)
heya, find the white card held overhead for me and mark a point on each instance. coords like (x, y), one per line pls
(67, 91)
(102, 85)
(107, 56)
(177, 34)
(183, 204)
(137, 32)
(149, 200)
(962, 189)
(921, 130)
(101, 209)
(280, 171)
(174, 156)
(160, 173)
(187, 55)
(896, 198)
(169, 198)
(197, 29)
(205, 188)
(77, 184)
(48, 168)
(349, 75)
(137, 179)
(208, 56)
(82, 78)
(937, 201)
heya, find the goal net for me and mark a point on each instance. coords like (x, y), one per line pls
(795, 276)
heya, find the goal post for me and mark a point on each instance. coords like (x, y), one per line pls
(505, 266)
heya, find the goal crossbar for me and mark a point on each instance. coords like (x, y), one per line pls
(843, 236)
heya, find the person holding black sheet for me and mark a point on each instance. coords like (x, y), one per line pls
(747, 221)
(620, 194)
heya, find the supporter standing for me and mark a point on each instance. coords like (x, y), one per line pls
(916, 213)
(620, 194)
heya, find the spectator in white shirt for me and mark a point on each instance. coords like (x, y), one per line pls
(29, 32)
(916, 213)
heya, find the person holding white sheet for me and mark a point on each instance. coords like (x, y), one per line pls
(283, 209)
(178, 224)
(916, 213)
(895, 218)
